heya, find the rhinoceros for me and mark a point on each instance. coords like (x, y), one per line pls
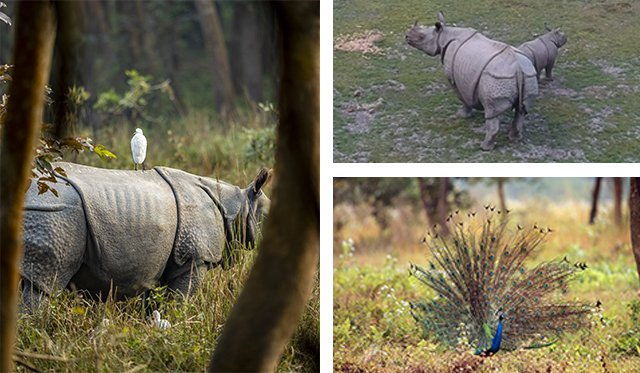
(543, 50)
(129, 231)
(484, 73)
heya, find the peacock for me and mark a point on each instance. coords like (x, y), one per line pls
(485, 292)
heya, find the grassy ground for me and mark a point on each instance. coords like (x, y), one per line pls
(69, 335)
(373, 330)
(392, 103)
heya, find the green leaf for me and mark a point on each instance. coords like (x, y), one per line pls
(103, 153)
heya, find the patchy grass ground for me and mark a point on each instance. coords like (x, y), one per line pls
(373, 330)
(392, 103)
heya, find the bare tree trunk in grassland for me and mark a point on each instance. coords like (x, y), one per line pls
(594, 200)
(272, 301)
(634, 212)
(427, 203)
(33, 47)
(443, 206)
(501, 197)
(617, 199)
(217, 51)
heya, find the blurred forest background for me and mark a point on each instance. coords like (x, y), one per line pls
(379, 226)
(183, 71)
(201, 79)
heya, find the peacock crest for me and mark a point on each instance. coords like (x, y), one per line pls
(478, 273)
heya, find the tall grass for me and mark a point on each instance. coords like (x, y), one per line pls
(69, 332)
(373, 330)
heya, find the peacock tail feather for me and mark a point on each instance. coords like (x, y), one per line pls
(478, 274)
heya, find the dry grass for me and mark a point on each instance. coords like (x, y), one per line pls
(373, 330)
(363, 42)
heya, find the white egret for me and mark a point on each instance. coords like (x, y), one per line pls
(138, 148)
(160, 323)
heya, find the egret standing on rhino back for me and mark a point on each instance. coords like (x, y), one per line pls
(138, 148)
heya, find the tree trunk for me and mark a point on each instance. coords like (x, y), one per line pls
(634, 212)
(247, 40)
(66, 65)
(594, 200)
(617, 200)
(33, 47)
(429, 207)
(274, 297)
(443, 206)
(217, 51)
(501, 197)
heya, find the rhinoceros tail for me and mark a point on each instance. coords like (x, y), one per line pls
(520, 108)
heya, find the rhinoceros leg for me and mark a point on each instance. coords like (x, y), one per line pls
(464, 111)
(547, 70)
(492, 126)
(31, 296)
(189, 280)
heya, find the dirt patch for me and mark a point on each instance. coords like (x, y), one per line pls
(609, 69)
(598, 120)
(363, 42)
(533, 153)
(389, 85)
(361, 115)
(555, 87)
(619, 7)
(598, 91)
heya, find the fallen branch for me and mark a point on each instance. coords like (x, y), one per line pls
(39, 356)
(26, 365)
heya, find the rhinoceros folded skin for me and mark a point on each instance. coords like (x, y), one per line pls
(484, 73)
(543, 50)
(132, 230)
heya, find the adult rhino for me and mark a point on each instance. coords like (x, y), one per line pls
(484, 73)
(129, 231)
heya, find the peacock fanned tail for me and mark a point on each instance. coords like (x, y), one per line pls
(478, 274)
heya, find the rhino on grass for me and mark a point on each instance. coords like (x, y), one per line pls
(543, 50)
(484, 73)
(129, 231)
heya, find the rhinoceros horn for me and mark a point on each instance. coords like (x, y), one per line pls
(415, 24)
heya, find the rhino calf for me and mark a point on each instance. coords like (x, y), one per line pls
(129, 231)
(543, 50)
(484, 73)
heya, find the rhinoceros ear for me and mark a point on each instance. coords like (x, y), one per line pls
(546, 27)
(441, 21)
(263, 177)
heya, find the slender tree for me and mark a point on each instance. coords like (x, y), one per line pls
(32, 51)
(594, 200)
(66, 64)
(634, 209)
(617, 200)
(274, 297)
(443, 205)
(217, 51)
